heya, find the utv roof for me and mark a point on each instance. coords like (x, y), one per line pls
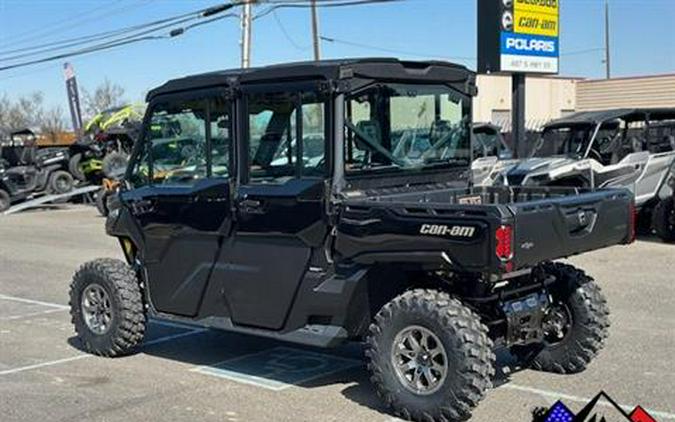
(627, 114)
(325, 70)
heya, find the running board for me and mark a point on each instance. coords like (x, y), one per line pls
(42, 200)
(325, 336)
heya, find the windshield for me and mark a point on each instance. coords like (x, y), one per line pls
(402, 127)
(571, 141)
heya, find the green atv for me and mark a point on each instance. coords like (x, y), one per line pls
(104, 149)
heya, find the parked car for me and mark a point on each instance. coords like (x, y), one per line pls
(398, 251)
(26, 172)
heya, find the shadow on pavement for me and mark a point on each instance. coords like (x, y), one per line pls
(234, 353)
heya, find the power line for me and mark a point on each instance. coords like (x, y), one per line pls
(393, 51)
(70, 23)
(286, 34)
(81, 40)
(146, 32)
(305, 4)
(144, 36)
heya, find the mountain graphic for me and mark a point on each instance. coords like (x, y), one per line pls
(596, 412)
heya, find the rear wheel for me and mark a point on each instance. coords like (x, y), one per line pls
(429, 356)
(106, 307)
(61, 182)
(75, 167)
(575, 327)
(5, 200)
(663, 220)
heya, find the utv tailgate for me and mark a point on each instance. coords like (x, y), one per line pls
(559, 227)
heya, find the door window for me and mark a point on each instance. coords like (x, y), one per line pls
(186, 140)
(276, 123)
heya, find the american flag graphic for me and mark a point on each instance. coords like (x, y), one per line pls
(559, 413)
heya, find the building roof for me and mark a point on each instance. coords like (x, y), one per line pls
(327, 70)
(627, 114)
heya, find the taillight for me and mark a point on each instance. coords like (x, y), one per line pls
(632, 222)
(504, 248)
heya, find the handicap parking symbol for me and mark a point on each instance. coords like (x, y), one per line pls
(278, 368)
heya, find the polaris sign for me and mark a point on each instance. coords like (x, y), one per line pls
(518, 36)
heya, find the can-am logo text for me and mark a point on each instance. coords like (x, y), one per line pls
(443, 230)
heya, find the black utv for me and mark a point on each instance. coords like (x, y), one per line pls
(262, 230)
(26, 171)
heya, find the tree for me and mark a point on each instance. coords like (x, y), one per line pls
(27, 111)
(105, 96)
(52, 122)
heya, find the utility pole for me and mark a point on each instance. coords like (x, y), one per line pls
(315, 31)
(246, 22)
(608, 64)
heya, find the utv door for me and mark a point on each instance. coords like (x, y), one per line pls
(279, 205)
(184, 207)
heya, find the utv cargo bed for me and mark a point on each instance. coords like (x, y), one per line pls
(544, 223)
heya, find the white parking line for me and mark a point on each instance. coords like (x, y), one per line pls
(554, 396)
(31, 314)
(42, 365)
(84, 356)
(33, 302)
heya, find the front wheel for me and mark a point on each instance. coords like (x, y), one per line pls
(663, 220)
(61, 182)
(429, 356)
(106, 307)
(575, 326)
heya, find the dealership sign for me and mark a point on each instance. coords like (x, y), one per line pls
(518, 36)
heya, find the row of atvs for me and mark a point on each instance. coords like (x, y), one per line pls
(632, 148)
(27, 171)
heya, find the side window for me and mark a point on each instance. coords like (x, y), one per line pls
(221, 137)
(185, 141)
(177, 141)
(286, 136)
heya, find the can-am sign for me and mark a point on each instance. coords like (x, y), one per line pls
(518, 36)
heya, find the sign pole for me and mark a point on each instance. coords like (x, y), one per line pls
(518, 112)
(73, 97)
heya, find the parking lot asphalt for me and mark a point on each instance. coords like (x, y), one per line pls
(184, 373)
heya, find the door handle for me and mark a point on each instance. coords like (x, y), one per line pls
(143, 206)
(251, 206)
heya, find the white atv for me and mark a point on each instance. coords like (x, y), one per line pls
(632, 148)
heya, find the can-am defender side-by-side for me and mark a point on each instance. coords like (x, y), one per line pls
(631, 148)
(254, 233)
(26, 171)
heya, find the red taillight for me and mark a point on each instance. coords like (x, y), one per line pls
(504, 248)
(632, 222)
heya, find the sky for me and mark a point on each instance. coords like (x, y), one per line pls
(642, 39)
